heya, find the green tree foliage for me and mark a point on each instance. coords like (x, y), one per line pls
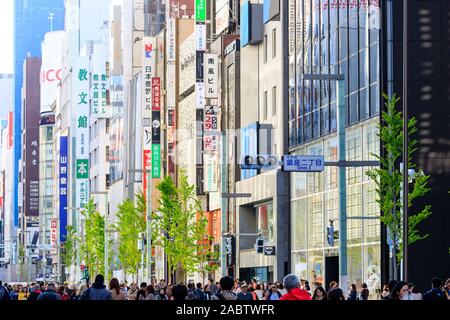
(93, 244)
(130, 222)
(388, 178)
(70, 246)
(181, 222)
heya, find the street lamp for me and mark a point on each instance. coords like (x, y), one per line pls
(105, 193)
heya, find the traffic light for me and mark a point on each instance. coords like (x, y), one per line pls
(260, 245)
(258, 162)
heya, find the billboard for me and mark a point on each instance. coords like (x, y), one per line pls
(32, 172)
(222, 15)
(63, 169)
(99, 82)
(81, 98)
(51, 68)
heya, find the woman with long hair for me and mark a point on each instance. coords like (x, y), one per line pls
(116, 291)
(320, 294)
(400, 291)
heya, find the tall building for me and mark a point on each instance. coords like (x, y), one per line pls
(32, 19)
(331, 39)
(427, 100)
(262, 131)
(6, 94)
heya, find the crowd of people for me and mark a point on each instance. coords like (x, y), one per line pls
(292, 288)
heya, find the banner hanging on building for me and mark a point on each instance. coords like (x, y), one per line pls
(211, 75)
(54, 236)
(200, 10)
(81, 100)
(210, 119)
(63, 166)
(210, 172)
(222, 15)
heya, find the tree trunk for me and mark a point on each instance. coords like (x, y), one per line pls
(180, 274)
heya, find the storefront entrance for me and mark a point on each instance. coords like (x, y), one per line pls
(331, 270)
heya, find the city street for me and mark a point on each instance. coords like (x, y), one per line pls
(224, 150)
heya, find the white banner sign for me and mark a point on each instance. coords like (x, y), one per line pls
(99, 82)
(148, 66)
(170, 85)
(200, 93)
(211, 75)
(222, 15)
(171, 40)
(210, 177)
(200, 37)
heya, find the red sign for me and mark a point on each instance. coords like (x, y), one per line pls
(53, 235)
(156, 94)
(50, 75)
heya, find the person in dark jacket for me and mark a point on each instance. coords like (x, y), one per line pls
(49, 294)
(200, 294)
(364, 292)
(4, 294)
(98, 290)
(245, 294)
(353, 293)
(179, 292)
(435, 293)
(35, 292)
(336, 294)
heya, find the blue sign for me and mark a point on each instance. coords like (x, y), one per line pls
(63, 166)
(297, 163)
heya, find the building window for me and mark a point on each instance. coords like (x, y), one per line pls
(274, 101)
(274, 43)
(265, 221)
(265, 105)
(265, 48)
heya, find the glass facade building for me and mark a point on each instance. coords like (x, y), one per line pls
(334, 37)
(31, 22)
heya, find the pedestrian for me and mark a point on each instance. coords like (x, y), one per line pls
(447, 288)
(415, 293)
(162, 295)
(116, 292)
(98, 290)
(62, 293)
(179, 292)
(435, 293)
(4, 294)
(353, 295)
(258, 291)
(23, 294)
(150, 292)
(275, 294)
(212, 287)
(35, 292)
(49, 294)
(14, 293)
(292, 285)
(364, 292)
(336, 294)
(80, 291)
(320, 294)
(400, 291)
(200, 294)
(132, 293)
(169, 292)
(245, 294)
(191, 293)
(226, 290)
(266, 295)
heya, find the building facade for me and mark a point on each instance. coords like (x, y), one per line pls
(330, 38)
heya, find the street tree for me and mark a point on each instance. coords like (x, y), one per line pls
(182, 223)
(93, 243)
(388, 180)
(70, 246)
(130, 222)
